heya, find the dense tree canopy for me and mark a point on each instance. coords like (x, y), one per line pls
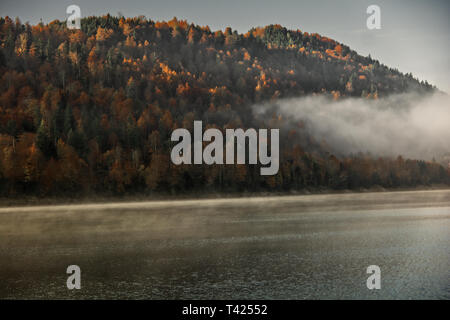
(92, 110)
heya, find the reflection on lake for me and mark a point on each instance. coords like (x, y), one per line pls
(292, 247)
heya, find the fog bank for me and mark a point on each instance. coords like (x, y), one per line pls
(412, 125)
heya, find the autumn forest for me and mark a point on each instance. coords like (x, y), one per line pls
(91, 111)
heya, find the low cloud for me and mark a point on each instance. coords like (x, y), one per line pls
(412, 125)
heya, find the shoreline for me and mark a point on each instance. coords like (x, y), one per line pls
(34, 201)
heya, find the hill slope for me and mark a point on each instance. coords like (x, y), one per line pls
(93, 109)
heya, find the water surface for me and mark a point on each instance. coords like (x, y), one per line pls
(292, 247)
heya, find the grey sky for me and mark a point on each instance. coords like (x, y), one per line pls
(413, 37)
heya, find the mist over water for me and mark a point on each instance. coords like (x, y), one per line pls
(291, 247)
(412, 125)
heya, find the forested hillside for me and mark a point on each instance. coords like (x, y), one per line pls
(92, 110)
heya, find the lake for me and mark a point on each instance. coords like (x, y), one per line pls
(290, 247)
